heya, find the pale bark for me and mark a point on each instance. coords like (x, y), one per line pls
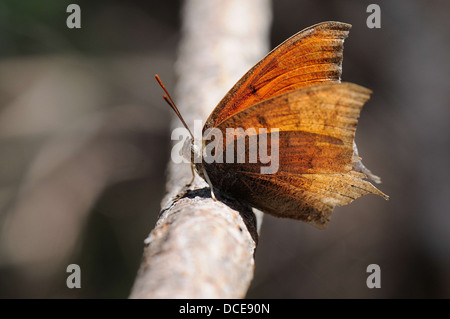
(201, 248)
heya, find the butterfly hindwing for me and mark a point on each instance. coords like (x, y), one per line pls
(315, 173)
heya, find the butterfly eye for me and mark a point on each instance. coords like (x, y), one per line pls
(186, 149)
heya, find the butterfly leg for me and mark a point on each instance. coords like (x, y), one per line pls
(193, 176)
(209, 183)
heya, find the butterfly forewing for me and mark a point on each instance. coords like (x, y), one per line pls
(311, 56)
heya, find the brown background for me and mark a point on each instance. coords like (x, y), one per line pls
(84, 141)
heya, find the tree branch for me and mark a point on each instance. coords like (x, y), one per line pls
(201, 248)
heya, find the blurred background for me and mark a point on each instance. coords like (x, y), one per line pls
(85, 139)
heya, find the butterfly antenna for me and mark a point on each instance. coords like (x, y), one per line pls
(172, 105)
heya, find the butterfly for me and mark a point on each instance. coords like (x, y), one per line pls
(296, 92)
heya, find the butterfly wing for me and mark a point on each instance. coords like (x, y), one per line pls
(313, 55)
(315, 173)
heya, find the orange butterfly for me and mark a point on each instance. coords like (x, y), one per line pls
(296, 89)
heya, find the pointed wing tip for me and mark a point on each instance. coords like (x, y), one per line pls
(333, 25)
(376, 191)
(336, 25)
(386, 197)
(327, 26)
(370, 177)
